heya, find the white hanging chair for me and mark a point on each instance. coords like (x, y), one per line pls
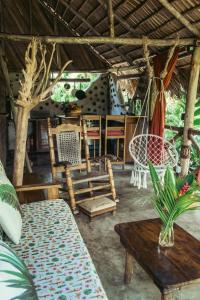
(147, 147)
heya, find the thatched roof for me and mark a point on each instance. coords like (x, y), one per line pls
(133, 18)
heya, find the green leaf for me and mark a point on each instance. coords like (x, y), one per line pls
(197, 104)
(197, 122)
(197, 112)
(155, 179)
(8, 195)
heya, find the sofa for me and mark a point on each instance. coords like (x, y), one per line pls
(55, 254)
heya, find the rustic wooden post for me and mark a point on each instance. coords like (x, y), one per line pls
(20, 145)
(30, 95)
(189, 111)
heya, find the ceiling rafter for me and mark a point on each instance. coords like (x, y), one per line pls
(78, 9)
(180, 17)
(56, 6)
(118, 18)
(48, 27)
(151, 31)
(51, 10)
(148, 33)
(81, 17)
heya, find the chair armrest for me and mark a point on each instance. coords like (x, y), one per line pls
(52, 189)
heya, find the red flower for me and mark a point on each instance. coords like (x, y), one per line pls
(184, 189)
(198, 176)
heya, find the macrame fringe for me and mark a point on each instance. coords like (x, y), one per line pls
(139, 178)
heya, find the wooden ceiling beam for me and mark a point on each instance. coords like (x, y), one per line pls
(121, 20)
(180, 17)
(148, 33)
(78, 9)
(83, 20)
(98, 40)
(168, 36)
(48, 27)
(75, 34)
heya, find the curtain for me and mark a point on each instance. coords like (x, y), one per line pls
(158, 120)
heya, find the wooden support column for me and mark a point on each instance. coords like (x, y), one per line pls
(20, 145)
(189, 110)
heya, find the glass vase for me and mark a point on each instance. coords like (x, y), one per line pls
(166, 236)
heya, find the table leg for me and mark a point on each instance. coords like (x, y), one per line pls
(166, 296)
(129, 264)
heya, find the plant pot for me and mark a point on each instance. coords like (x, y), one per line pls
(166, 236)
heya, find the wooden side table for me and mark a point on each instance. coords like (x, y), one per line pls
(170, 268)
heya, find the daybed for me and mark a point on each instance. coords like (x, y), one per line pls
(53, 250)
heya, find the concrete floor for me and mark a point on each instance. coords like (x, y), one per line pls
(108, 254)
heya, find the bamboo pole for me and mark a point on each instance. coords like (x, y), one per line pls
(111, 19)
(98, 40)
(180, 17)
(189, 111)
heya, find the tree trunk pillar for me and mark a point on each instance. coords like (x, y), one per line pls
(20, 145)
(189, 110)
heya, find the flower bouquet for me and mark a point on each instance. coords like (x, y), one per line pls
(173, 197)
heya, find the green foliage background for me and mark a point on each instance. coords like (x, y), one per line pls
(60, 94)
(175, 109)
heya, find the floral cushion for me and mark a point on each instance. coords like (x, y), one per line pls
(55, 254)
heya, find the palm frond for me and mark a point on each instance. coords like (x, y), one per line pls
(8, 195)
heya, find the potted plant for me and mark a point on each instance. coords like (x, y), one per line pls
(173, 197)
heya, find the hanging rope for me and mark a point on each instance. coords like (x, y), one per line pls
(150, 69)
(141, 145)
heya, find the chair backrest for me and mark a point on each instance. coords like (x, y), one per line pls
(65, 144)
(115, 125)
(93, 125)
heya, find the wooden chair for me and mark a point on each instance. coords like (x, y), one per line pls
(97, 197)
(93, 124)
(92, 178)
(115, 129)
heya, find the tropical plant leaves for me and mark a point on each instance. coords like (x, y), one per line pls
(197, 104)
(21, 277)
(181, 181)
(168, 203)
(197, 122)
(8, 195)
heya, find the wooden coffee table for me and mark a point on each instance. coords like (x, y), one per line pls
(170, 268)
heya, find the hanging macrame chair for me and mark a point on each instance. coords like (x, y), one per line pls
(147, 147)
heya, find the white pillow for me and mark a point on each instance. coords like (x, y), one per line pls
(15, 279)
(10, 216)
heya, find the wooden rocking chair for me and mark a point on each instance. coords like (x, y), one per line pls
(92, 199)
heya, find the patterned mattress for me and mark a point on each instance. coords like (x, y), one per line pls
(55, 253)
